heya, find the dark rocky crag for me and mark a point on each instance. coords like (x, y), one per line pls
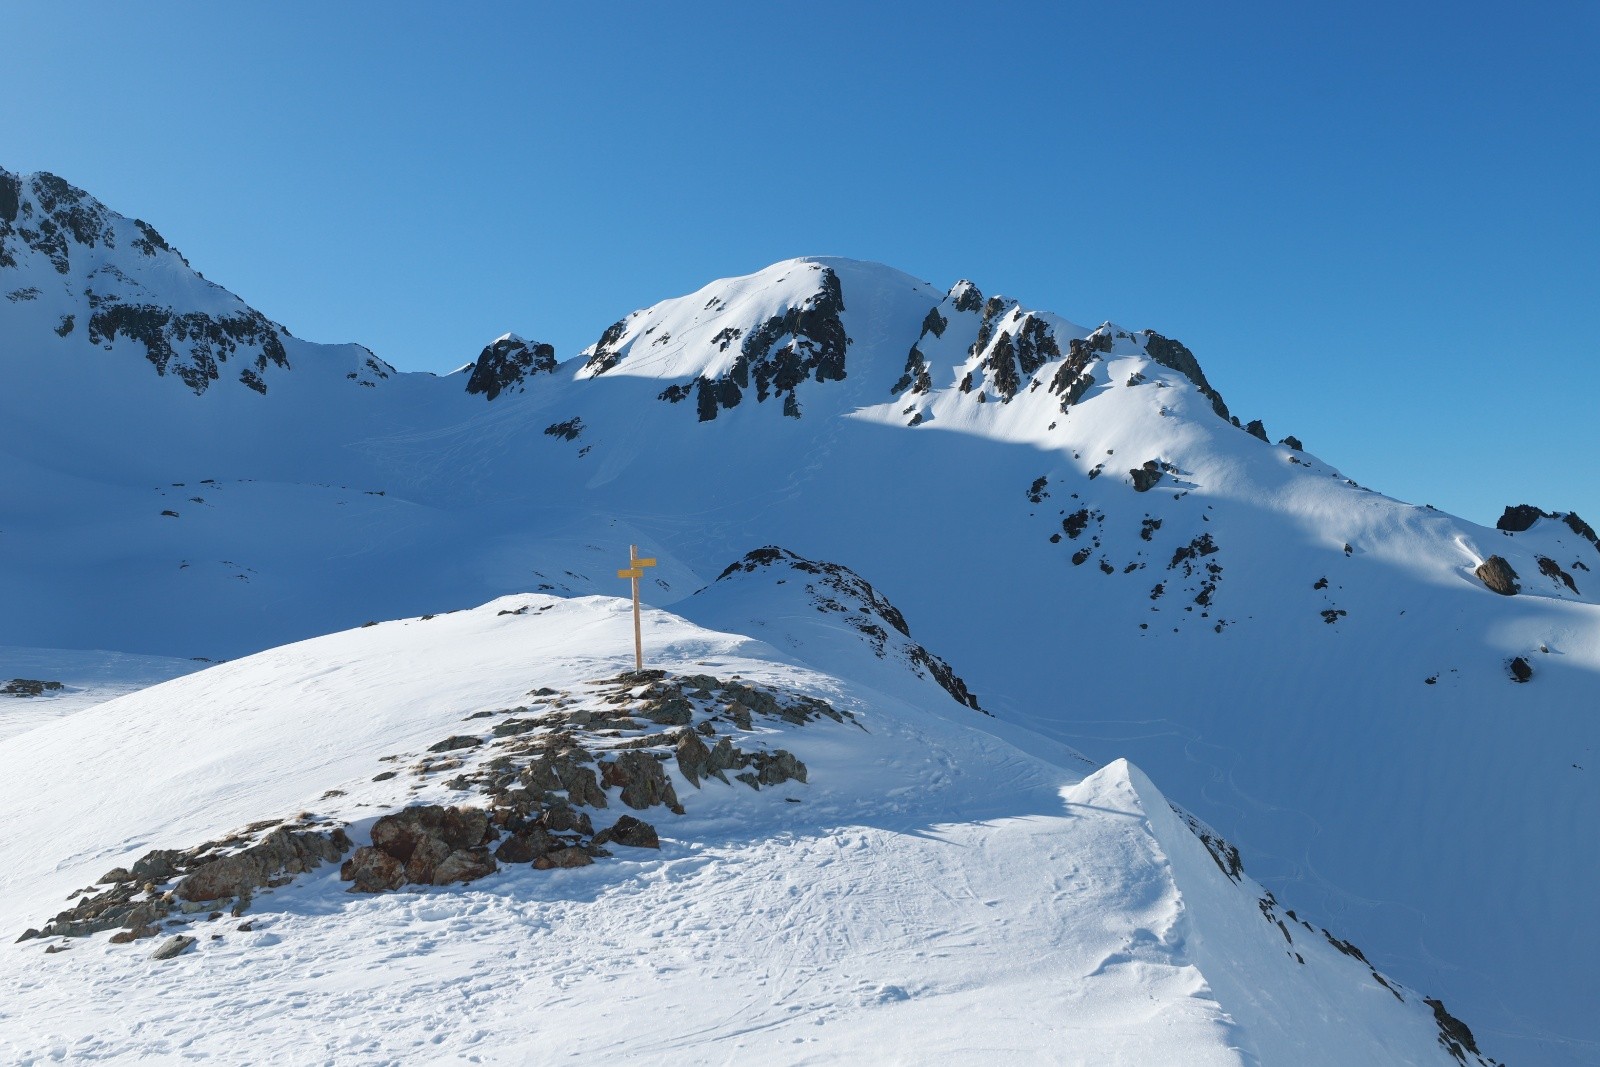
(1173, 355)
(507, 364)
(42, 215)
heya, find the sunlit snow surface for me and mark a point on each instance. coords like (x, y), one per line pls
(939, 893)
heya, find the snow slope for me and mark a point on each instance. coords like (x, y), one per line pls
(933, 891)
(1310, 666)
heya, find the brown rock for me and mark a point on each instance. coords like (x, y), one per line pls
(1497, 574)
(644, 784)
(156, 866)
(455, 828)
(563, 857)
(427, 854)
(279, 852)
(693, 756)
(563, 818)
(464, 865)
(523, 847)
(1551, 569)
(635, 833)
(373, 871)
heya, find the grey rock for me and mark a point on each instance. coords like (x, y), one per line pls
(173, 946)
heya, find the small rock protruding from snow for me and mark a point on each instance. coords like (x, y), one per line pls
(1497, 574)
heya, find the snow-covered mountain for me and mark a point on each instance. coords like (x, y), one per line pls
(1358, 693)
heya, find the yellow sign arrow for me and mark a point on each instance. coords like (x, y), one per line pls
(630, 574)
(650, 562)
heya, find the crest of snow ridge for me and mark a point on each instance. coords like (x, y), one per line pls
(52, 230)
(833, 588)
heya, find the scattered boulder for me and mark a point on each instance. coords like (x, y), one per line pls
(1293, 442)
(642, 781)
(431, 845)
(173, 946)
(157, 866)
(563, 857)
(1255, 428)
(373, 871)
(28, 687)
(1497, 574)
(523, 847)
(281, 852)
(1146, 477)
(450, 744)
(694, 757)
(634, 833)
(1521, 669)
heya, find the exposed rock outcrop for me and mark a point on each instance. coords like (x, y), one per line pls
(1519, 517)
(216, 874)
(29, 687)
(507, 363)
(1174, 356)
(423, 845)
(1497, 574)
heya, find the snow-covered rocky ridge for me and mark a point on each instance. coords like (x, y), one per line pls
(1314, 669)
(932, 888)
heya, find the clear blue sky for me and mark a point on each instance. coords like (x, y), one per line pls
(1377, 228)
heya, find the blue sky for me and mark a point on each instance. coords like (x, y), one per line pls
(1377, 228)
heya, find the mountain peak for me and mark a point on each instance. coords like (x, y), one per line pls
(506, 364)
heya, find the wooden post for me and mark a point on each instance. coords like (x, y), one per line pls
(634, 573)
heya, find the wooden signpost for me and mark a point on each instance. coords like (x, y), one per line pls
(634, 572)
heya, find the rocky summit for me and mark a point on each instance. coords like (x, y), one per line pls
(945, 584)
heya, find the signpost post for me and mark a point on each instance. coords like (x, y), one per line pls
(634, 572)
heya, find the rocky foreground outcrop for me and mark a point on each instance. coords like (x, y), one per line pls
(530, 780)
(214, 877)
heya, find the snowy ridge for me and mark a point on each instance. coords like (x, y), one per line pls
(89, 275)
(878, 909)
